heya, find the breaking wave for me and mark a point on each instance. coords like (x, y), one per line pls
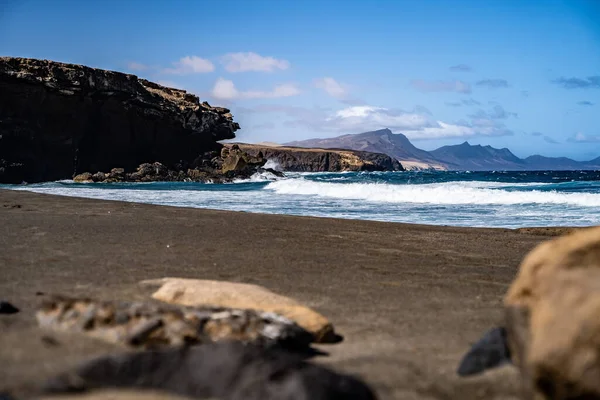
(447, 193)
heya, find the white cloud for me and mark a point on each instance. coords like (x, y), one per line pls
(190, 65)
(582, 138)
(331, 87)
(225, 90)
(365, 118)
(243, 62)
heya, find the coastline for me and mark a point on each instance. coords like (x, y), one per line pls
(409, 299)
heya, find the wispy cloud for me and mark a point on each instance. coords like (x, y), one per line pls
(331, 87)
(497, 112)
(244, 62)
(263, 126)
(225, 90)
(461, 68)
(585, 103)
(135, 66)
(537, 134)
(441, 86)
(548, 139)
(190, 65)
(493, 83)
(464, 102)
(337, 90)
(591, 82)
(470, 102)
(582, 138)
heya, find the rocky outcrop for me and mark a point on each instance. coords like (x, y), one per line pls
(296, 159)
(58, 120)
(237, 165)
(198, 293)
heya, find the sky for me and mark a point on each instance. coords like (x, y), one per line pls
(521, 74)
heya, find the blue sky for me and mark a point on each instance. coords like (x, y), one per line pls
(512, 73)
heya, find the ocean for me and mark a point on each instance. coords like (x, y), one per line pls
(480, 199)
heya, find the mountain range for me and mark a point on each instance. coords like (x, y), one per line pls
(462, 156)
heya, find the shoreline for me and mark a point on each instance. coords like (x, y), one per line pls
(530, 229)
(409, 299)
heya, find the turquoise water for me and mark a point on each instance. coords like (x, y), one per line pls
(485, 199)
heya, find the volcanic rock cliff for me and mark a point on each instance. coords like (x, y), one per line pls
(298, 159)
(58, 120)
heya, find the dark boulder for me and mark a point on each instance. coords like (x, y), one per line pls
(227, 370)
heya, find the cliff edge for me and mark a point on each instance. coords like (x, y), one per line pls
(297, 159)
(58, 120)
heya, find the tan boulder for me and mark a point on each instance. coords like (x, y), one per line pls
(196, 292)
(234, 160)
(553, 318)
(86, 177)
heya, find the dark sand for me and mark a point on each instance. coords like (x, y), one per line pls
(409, 299)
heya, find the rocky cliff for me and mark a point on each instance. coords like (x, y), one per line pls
(58, 120)
(298, 159)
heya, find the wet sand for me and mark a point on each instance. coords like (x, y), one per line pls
(408, 299)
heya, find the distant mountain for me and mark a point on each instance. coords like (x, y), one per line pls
(477, 158)
(563, 163)
(456, 157)
(380, 141)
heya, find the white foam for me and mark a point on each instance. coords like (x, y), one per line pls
(264, 176)
(448, 193)
(273, 164)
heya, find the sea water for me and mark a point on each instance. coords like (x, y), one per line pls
(482, 199)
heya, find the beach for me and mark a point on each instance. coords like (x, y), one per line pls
(408, 299)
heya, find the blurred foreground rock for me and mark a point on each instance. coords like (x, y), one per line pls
(227, 371)
(148, 325)
(553, 318)
(552, 322)
(196, 292)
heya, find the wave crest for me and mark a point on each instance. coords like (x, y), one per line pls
(448, 193)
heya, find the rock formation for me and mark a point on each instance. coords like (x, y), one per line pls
(298, 159)
(58, 120)
(196, 292)
(237, 165)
